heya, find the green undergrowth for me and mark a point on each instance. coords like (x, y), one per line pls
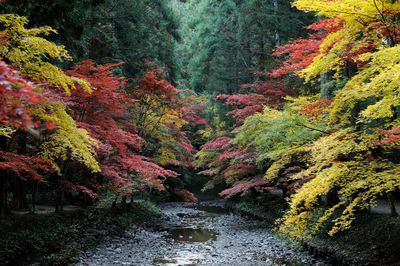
(58, 238)
(373, 239)
(269, 207)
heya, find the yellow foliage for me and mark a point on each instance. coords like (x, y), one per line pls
(161, 123)
(68, 141)
(337, 164)
(332, 48)
(286, 157)
(356, 15)
(165, 156)
(7, 131)
(297, 104)
(350, 10)
(358, 183)
(27, 52)
(379, 81)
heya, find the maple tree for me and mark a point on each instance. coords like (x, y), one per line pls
(25, 51)
(339, 143)
(301, 52)
(83, 118)
(235, 164)
(104, 113)
(349, 162)
(160, 115)
(16, 94)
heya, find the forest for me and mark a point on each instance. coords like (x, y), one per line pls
(290, 108)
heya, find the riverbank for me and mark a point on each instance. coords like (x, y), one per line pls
(374, 239)
(59, 238)
(198, 234)
(202, 234)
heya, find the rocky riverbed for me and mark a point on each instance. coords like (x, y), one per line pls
(197, 234)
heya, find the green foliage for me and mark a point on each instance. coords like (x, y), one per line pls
(108, 32)
(272, 132)
(59, 239)
(221, 52)
(147, 208)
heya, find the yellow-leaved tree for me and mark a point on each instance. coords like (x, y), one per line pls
(350, 162)
(29, 53)
(58, 137)
(377, 17)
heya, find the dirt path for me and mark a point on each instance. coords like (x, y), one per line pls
(203, 234)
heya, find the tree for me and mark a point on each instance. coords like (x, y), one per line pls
(350, 161)
(98, 30)
(61, 138)
(105, 114)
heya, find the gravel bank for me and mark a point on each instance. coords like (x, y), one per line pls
(191, 234)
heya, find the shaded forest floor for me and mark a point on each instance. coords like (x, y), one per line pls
(58, 238)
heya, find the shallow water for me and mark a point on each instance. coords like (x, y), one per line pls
(192, 234)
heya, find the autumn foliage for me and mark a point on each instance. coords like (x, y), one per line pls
(84, 130)
(334, 133)
(318, 119)
(301, 52)
(16, 96)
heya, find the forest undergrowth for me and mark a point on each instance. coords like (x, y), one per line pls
(59, 238)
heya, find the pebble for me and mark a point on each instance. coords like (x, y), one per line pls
(239, 241)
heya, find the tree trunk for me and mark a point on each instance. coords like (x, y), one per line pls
(85, 200)
(332, 198)
(114, 204)
(19, 199)
(254, 194)
(34, 193)
(3, 143)
(277, 22)
(3, 195)
(60, 187)
(19, 196)
(393, 211)
(123, 200)
(57, 200)
(324, 78)
(261, 59)
(62, 199)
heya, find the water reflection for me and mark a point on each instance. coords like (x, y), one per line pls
(212, 209)
(192, 235)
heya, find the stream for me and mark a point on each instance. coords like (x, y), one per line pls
(198, 234)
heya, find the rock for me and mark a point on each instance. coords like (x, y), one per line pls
(242, 241)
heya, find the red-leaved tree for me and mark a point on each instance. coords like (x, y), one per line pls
(105, 114)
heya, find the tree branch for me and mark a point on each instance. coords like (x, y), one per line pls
(315, 129)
